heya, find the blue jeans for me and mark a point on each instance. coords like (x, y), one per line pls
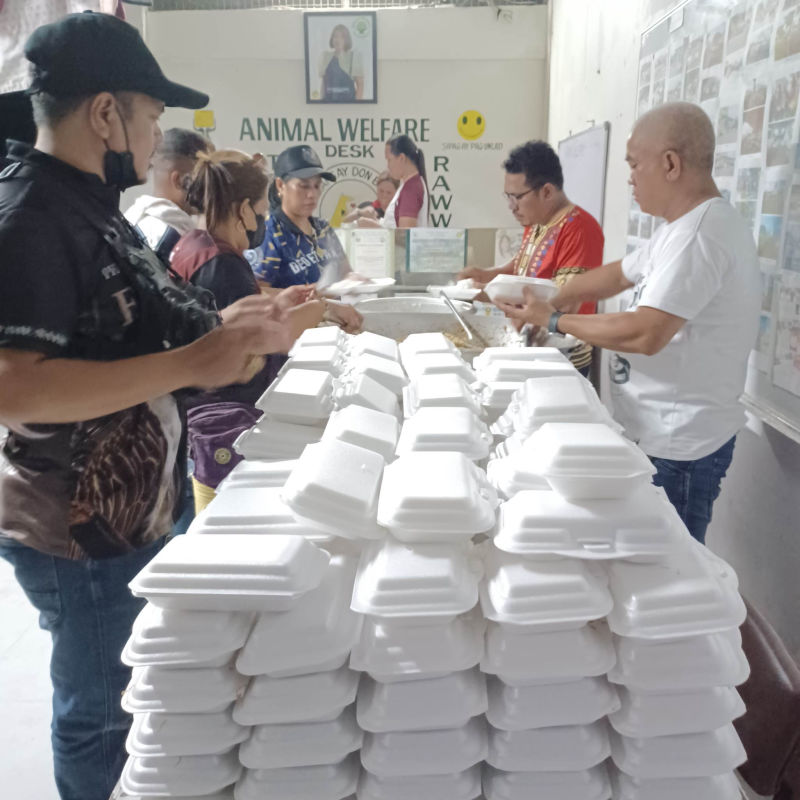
(693, 486)
(88, 610)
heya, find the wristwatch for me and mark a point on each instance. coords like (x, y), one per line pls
(552, 325)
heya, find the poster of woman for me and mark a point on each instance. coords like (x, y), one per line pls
(341, 57)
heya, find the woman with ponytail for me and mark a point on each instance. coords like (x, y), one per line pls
(409, 208)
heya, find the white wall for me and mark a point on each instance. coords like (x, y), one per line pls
(593, 74)
(433, 64)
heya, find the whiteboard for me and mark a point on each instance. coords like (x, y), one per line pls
(583, 159)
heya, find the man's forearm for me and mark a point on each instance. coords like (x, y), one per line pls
(596, 284)
(621, 331)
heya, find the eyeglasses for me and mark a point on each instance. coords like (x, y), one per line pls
(514, 199)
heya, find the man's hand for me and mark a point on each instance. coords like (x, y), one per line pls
(533, 311)
(251, 307)
(480, 276)
(345, 316)
(294, 296)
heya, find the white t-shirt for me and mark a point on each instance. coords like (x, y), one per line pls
(683, 402)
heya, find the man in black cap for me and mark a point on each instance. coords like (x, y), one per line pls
(94, 339)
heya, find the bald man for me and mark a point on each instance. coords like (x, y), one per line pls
(681, 347)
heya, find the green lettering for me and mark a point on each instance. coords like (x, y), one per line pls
(246, 130)
(440, 183)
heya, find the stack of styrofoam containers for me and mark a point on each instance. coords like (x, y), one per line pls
(600, 541)
(426, 354)
(203, 594)
(423, 699)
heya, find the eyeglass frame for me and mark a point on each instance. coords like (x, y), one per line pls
(513, 199)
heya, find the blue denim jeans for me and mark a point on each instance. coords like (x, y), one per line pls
(693, 486)
(88, 610)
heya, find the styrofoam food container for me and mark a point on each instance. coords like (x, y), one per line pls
(558, 594)
(433, 342)
(697, 662)
(368, 343)
(689, 755)
(248, 510)
(382, 370)
(362, 390)
(585, 460)
(327, 336)
(318, 697)
(257, 473)
(509, 288)
(182, 691)
(430, 497)
(173, 638)
(231, 572)
(686, 594)
(581, 702)
(519, 371)
(437, 752)
(446, 702)
(323, 358)
(365, 427)
(302, 744)
(565, 749)
(642, 525)
(320, 782)
(439, 391)
(301, 396)
(315, 636)
(270, 440)
(517, 353)
(184, 734)
(421, 364)
(495, 397)
(390, 652)
(587, 784)
(426, 583)
(532, 657)
(335, 487)
(509, 477)
(644, 714)
(455, 430)
(717, 787)
(180, 776)
(464, 785)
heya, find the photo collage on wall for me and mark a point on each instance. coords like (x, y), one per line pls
(742, 65)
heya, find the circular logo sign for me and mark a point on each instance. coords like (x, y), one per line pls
(361, 27)
(471, 125)
(355, 184)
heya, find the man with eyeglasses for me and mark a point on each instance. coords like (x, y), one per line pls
(561, 240)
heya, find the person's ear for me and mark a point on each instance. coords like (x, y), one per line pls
(103, 114)
(672, 165)
(176, 181)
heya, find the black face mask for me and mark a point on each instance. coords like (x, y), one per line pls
(254, 238)
(118, 167)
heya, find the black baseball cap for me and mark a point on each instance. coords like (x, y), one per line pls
(89, 53)
(301, 162)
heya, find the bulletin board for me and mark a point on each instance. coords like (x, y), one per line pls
(741, 63)
(584, 158)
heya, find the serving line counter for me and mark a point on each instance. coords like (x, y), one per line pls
(439, 580)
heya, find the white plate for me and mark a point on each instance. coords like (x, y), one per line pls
(430, 497)
(533, 657)
(553, 595)
(421, 705)
(361, 390)
(642, 525)
(262, 474)
(454, 292)
(349, 286)
(457, 786)
(581, 702)
(172, 638)
(455, 430)
(319, 697)
(390, 652)
(439, 752)
(718, 787)
(646, 714)
(439, 391)
(315, 636)
(587, 784)
(179, 776)
(426, 583)
(374, 344)
(327, 358)
(365, 427)
(698, 662)
(509, 288)
(184, 734)
(688, 593)
(322, 782)
(382, 370)
(303, 744)
(182, 691)
(691, 755)
(271, 440)
(334, 488)
(300, 396)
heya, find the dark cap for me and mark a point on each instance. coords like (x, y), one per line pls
(89, 53)
(300, 162)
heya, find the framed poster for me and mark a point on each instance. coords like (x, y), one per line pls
(341, 57)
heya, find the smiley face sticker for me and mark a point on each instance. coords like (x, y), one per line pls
(471, 125)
